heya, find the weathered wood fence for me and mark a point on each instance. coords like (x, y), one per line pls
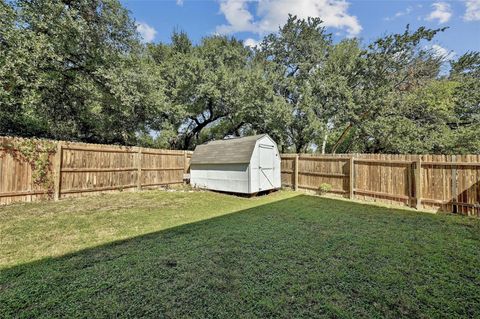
(434, 182)
(448, 183)
(74, 169)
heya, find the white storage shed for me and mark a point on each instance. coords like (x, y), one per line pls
(245, 165)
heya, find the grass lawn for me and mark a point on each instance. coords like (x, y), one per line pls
(179, 255)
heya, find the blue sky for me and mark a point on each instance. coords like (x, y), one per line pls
(366, 19)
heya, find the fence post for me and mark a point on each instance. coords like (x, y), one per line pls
(139, 169)
(410, 171)
(351, 176)
(295, 184)
(454, 185)
(185, 167)
(58, 172)
(418, 182)
(185, 161)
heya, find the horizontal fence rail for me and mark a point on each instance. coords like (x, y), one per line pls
(449, 183)
(75, 169)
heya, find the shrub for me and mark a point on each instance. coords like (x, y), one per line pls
(325, 188)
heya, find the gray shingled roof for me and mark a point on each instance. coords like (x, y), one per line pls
(231, 151)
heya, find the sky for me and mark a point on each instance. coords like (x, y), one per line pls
(364, 19)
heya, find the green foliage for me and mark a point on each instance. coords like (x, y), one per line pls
(466, 125)
(325, 188)
(73, 70)
(467, 65)
(416, 123)
(77, 71)
(37, 153)
(212, 90)
(387, 70)
(292, 60)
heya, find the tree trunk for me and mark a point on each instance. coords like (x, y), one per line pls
(189, 136)
(299, 146)
(324, 143)
(346, 131)
(341, 138)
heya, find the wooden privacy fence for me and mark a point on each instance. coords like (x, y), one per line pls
(448, 183)
(73, 169)
(36, 169)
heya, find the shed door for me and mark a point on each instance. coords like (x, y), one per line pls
(265, 168)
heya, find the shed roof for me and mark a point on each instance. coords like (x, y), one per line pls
(230, 151)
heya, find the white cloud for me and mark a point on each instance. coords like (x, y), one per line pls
(472, 12)
(251, 42)
(238, 17)
(441, 52)
(147, 32)
(179, 2)
(399, 14)
(274, 13)
(441, 12)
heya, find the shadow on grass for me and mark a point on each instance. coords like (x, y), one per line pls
(300, 257)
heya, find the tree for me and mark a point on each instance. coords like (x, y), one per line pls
(74, 70)
(292, 57)
(209, 89)
(20, 51)
(337, 88)
(417, 123)
(390, 67)
(466, 72)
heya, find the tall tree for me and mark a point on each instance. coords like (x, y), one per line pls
(466, 72)
(390, 66)
(209, 89)
(337, 88)
(293, 56)
(74, 69)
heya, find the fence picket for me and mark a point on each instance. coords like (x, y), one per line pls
(434, 182)
(78, 168)
(438, 182)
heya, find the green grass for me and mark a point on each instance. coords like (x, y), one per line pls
(179, 254)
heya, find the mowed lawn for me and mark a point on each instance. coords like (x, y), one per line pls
(208, 255)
